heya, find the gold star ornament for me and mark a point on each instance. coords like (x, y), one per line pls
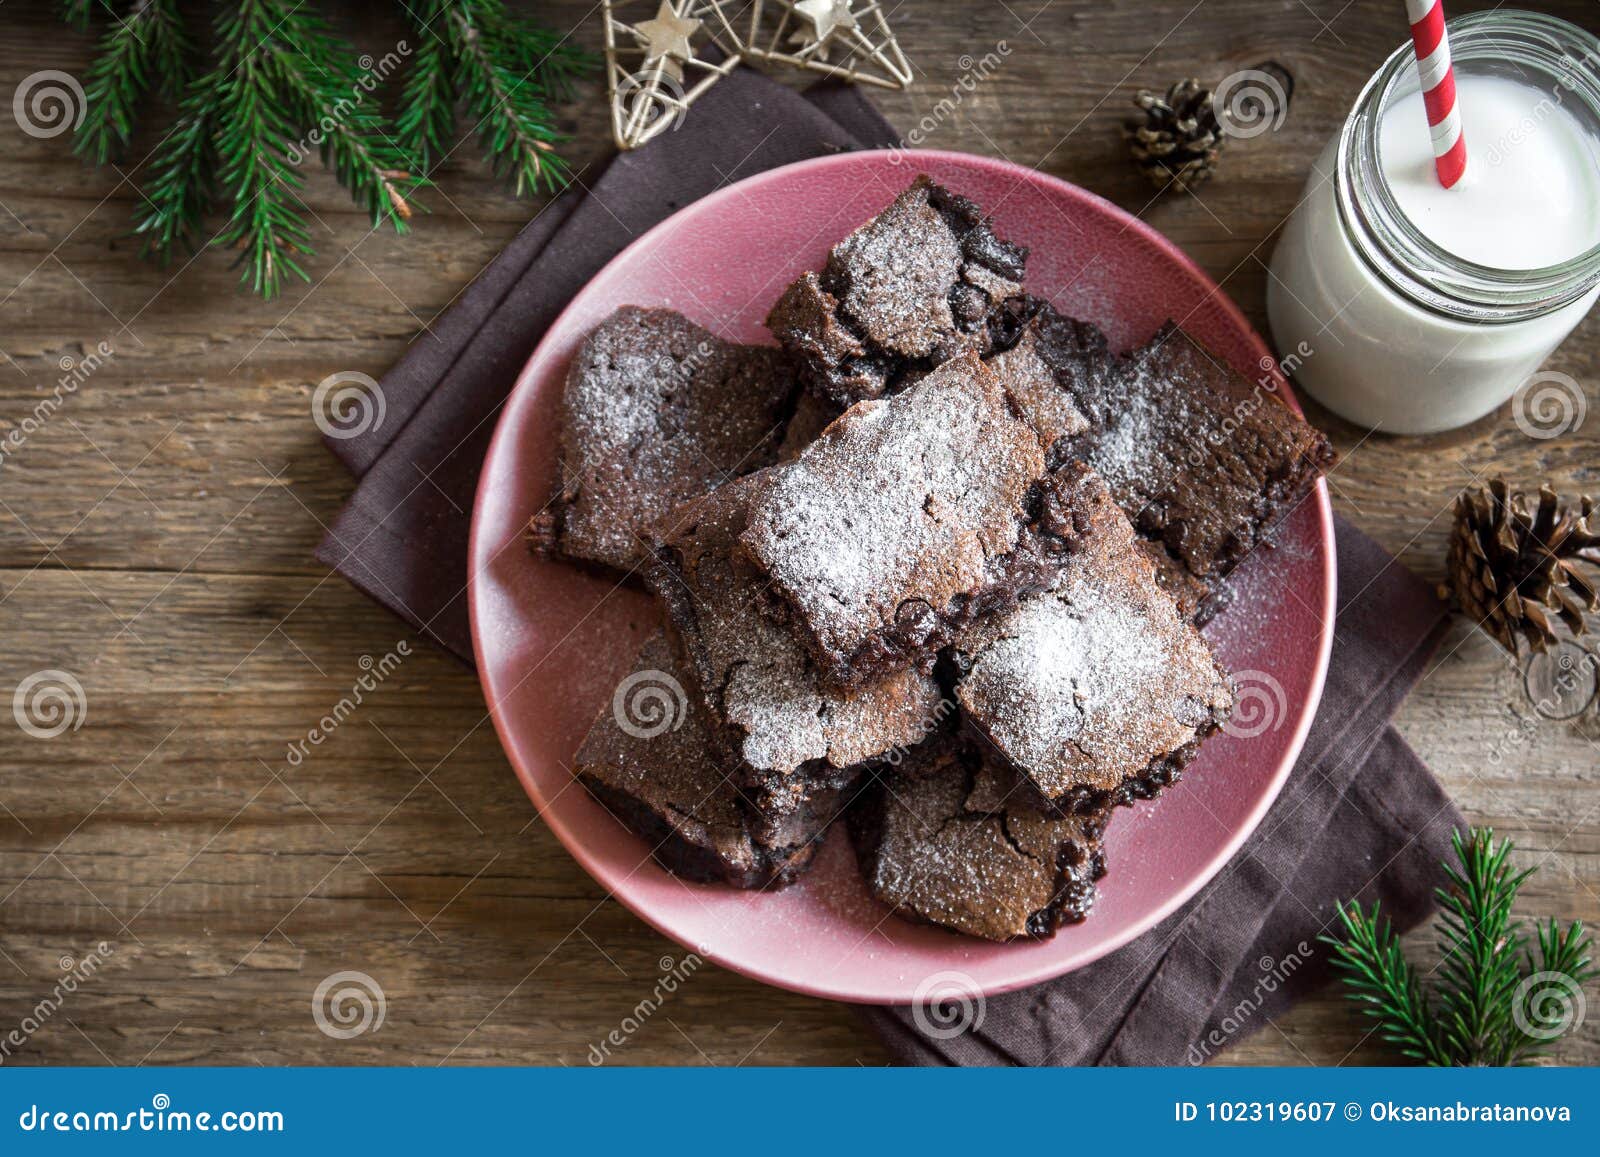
(655, 66)
(850, 39)
(825, 17)
(665, 40)
(654, 69)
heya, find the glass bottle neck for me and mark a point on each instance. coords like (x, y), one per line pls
(1533, 49)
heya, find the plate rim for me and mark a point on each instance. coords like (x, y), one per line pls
(912, 160)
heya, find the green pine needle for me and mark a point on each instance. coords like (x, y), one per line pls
(1380, 977)
(426, 121)
(266, 225)
(503, 95)
(320, 84)
(76, 13)
(145, 49)
(505, 71)
(542, 56)
(276, 85)
(1497, 1002)
(180, 189)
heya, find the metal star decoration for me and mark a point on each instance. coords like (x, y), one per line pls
(665, 39)
(826, 17)
(844, 38)
(653, 71)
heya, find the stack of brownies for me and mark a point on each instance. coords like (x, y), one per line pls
(934, 567)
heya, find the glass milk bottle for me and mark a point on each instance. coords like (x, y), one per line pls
(1411, 308)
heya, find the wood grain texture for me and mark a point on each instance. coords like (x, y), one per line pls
(156, 540)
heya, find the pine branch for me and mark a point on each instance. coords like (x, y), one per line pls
(1377, 974)
(76, 13)
(426, 120)
(323, 88)
(283, 73)
(504, 98)
(1499, 1002)
(1554, 989)
(266, 224)
(550, 59)
(252, 139)
(181, 188)
(146, 49)
(1481, 946)
(276, 83)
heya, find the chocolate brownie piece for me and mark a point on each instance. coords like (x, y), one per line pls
(911, 288)
(658, 774)
(656, 411)
(936, 853)
(1099, 681)
(1045, 365)
(793, 739)
(908, 518)
(1046, 360)
(1197, 455)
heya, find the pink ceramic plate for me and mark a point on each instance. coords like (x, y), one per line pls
(552, 642)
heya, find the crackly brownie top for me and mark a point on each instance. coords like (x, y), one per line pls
(910, 288)
(657, 410)
(1030, 382)
(1085, 685)
(755, 674)
(934, 852)
(902, 505)
(1196, 454)
(651, 747)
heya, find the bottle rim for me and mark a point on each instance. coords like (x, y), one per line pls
(1393, 246)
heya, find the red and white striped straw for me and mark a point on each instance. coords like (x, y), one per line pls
(1438, 79)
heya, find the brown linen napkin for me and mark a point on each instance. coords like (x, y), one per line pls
(1360, 814)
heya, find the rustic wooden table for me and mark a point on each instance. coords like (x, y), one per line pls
(156, 538)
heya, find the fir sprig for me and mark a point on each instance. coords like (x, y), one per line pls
(280, 83)
(147, 49)
(426, 121)
(322, 85)
(266, 224)
(273, 84)
(505, 71)
(1382, 978)
(76, 13)
(1498, 1001)
(181, 185)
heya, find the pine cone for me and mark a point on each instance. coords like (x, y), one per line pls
(1519, 574)
(1178, 140)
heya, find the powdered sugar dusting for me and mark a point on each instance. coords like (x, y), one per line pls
(1140, 434)
(1075, 670)
(899, 269)
(908, 498)
(759, 675)
(1085, 685)
(656, 411)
